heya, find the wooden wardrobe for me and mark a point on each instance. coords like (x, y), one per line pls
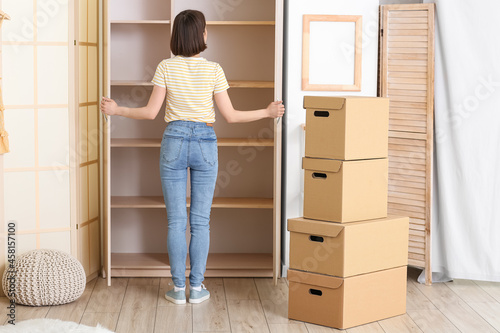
(245, 37)
(407, 78)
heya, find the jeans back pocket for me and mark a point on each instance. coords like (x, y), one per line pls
(208, 149)
(171, 148)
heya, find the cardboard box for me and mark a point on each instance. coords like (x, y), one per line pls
(345, 191)
(346, 302)
(348, 249)
(346, 128)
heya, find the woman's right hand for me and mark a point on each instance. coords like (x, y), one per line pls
(109, 106)
(275, 109)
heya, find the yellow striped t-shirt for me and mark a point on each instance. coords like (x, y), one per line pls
(191, 83)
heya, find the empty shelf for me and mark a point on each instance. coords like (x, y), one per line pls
(232, 83)
(251, 84)
(157, 202)
(218, 264)
(130, 83)
(138, 143)
(240, 23)
(236, 142)
(221, 142)
(140, 22)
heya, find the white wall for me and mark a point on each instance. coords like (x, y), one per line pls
(295, 114)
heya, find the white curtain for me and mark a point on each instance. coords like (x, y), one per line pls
(466, 219)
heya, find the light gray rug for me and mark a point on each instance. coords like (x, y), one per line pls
(50, 326)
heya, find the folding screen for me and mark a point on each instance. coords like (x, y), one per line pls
(407, 78)
(50, 179)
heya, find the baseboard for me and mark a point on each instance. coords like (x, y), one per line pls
(284, 270)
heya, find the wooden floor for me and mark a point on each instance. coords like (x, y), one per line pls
(137, 305)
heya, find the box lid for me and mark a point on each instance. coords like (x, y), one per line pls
(320, 164)
(324, 102)
(338, 102)
(314, 227)
(320, 280)
(400, 219)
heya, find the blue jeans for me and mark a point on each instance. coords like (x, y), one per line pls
(192, 145)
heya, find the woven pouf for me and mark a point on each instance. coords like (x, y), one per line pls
(46, 277)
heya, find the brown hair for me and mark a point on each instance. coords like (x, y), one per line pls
(187, 33)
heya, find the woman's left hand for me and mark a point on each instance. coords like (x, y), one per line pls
(275, 109)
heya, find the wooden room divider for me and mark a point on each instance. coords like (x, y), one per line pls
(407, 78)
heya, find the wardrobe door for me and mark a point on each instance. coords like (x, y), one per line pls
(407, 78)
(278, 95)
(88, 138)
(106, 145)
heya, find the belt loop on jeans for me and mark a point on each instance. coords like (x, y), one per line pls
(210, 124)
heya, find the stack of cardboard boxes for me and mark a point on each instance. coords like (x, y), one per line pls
(347, 257)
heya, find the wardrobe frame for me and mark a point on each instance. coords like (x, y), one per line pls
(219, 265)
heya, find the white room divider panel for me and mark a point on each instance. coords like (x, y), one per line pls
(35, 59)
(50, 177)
